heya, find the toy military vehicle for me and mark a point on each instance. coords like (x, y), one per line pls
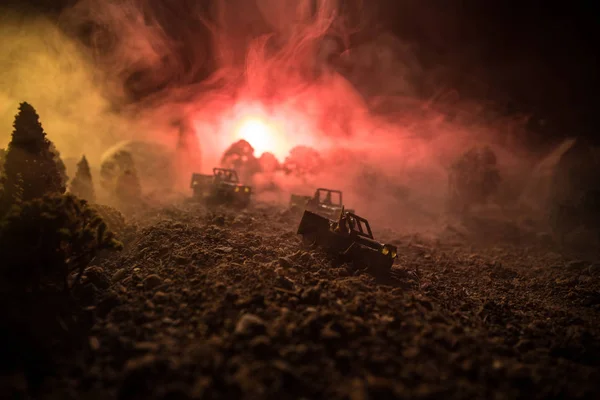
(349, 236)
(222, 187)
(325, 202)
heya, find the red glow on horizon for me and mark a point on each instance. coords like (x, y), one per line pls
(262, 136)
(275, 131)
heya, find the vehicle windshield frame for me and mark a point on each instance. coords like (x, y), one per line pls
(222, 175)
(321, 194)
(362, 227)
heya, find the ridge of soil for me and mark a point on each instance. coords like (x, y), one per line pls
(227, 304)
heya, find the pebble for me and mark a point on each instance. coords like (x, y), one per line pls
(152, 281)
(96, 276)
(94, 343)
(250, 325)
(159, 297)
(119, 275)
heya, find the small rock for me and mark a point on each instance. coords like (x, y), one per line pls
(327, 333)
(224, 249)
(260, 344)
(96, 276)
(152, 281)
(250, 325)
(94, 343)
(159, 297)
(144, 363)
(119, 275)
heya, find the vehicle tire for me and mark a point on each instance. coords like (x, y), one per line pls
(360, 263)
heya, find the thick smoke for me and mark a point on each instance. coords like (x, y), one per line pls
(316, 71)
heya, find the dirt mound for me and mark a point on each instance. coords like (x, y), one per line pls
(222, 304)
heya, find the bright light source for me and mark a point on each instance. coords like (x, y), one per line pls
(259, 134)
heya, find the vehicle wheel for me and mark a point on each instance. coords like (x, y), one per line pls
(309, 239)
(361, 264)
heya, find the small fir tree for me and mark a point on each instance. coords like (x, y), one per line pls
(82, 185)
(30, 158)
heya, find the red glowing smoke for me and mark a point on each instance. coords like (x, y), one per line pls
(283, 73)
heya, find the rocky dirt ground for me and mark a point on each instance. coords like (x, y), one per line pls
(224, 304)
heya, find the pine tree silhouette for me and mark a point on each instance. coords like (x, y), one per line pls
(31, 169)
(82, 185)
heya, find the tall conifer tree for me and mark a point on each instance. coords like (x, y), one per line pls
(31, 169)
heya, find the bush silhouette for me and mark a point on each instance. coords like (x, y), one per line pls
(473, 179)
(82, 185)
(114, 219)
(303, 161)
(111, 169)
(32, 166)
(44, 240)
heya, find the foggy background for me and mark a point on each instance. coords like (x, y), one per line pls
(399, 86)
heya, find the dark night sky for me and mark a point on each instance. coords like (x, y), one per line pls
(540, 55)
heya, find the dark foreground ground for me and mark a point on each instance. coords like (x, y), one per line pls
(226, 305)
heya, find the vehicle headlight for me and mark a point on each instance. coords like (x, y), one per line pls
(237, 189)
(387, 250)
(246, 190)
